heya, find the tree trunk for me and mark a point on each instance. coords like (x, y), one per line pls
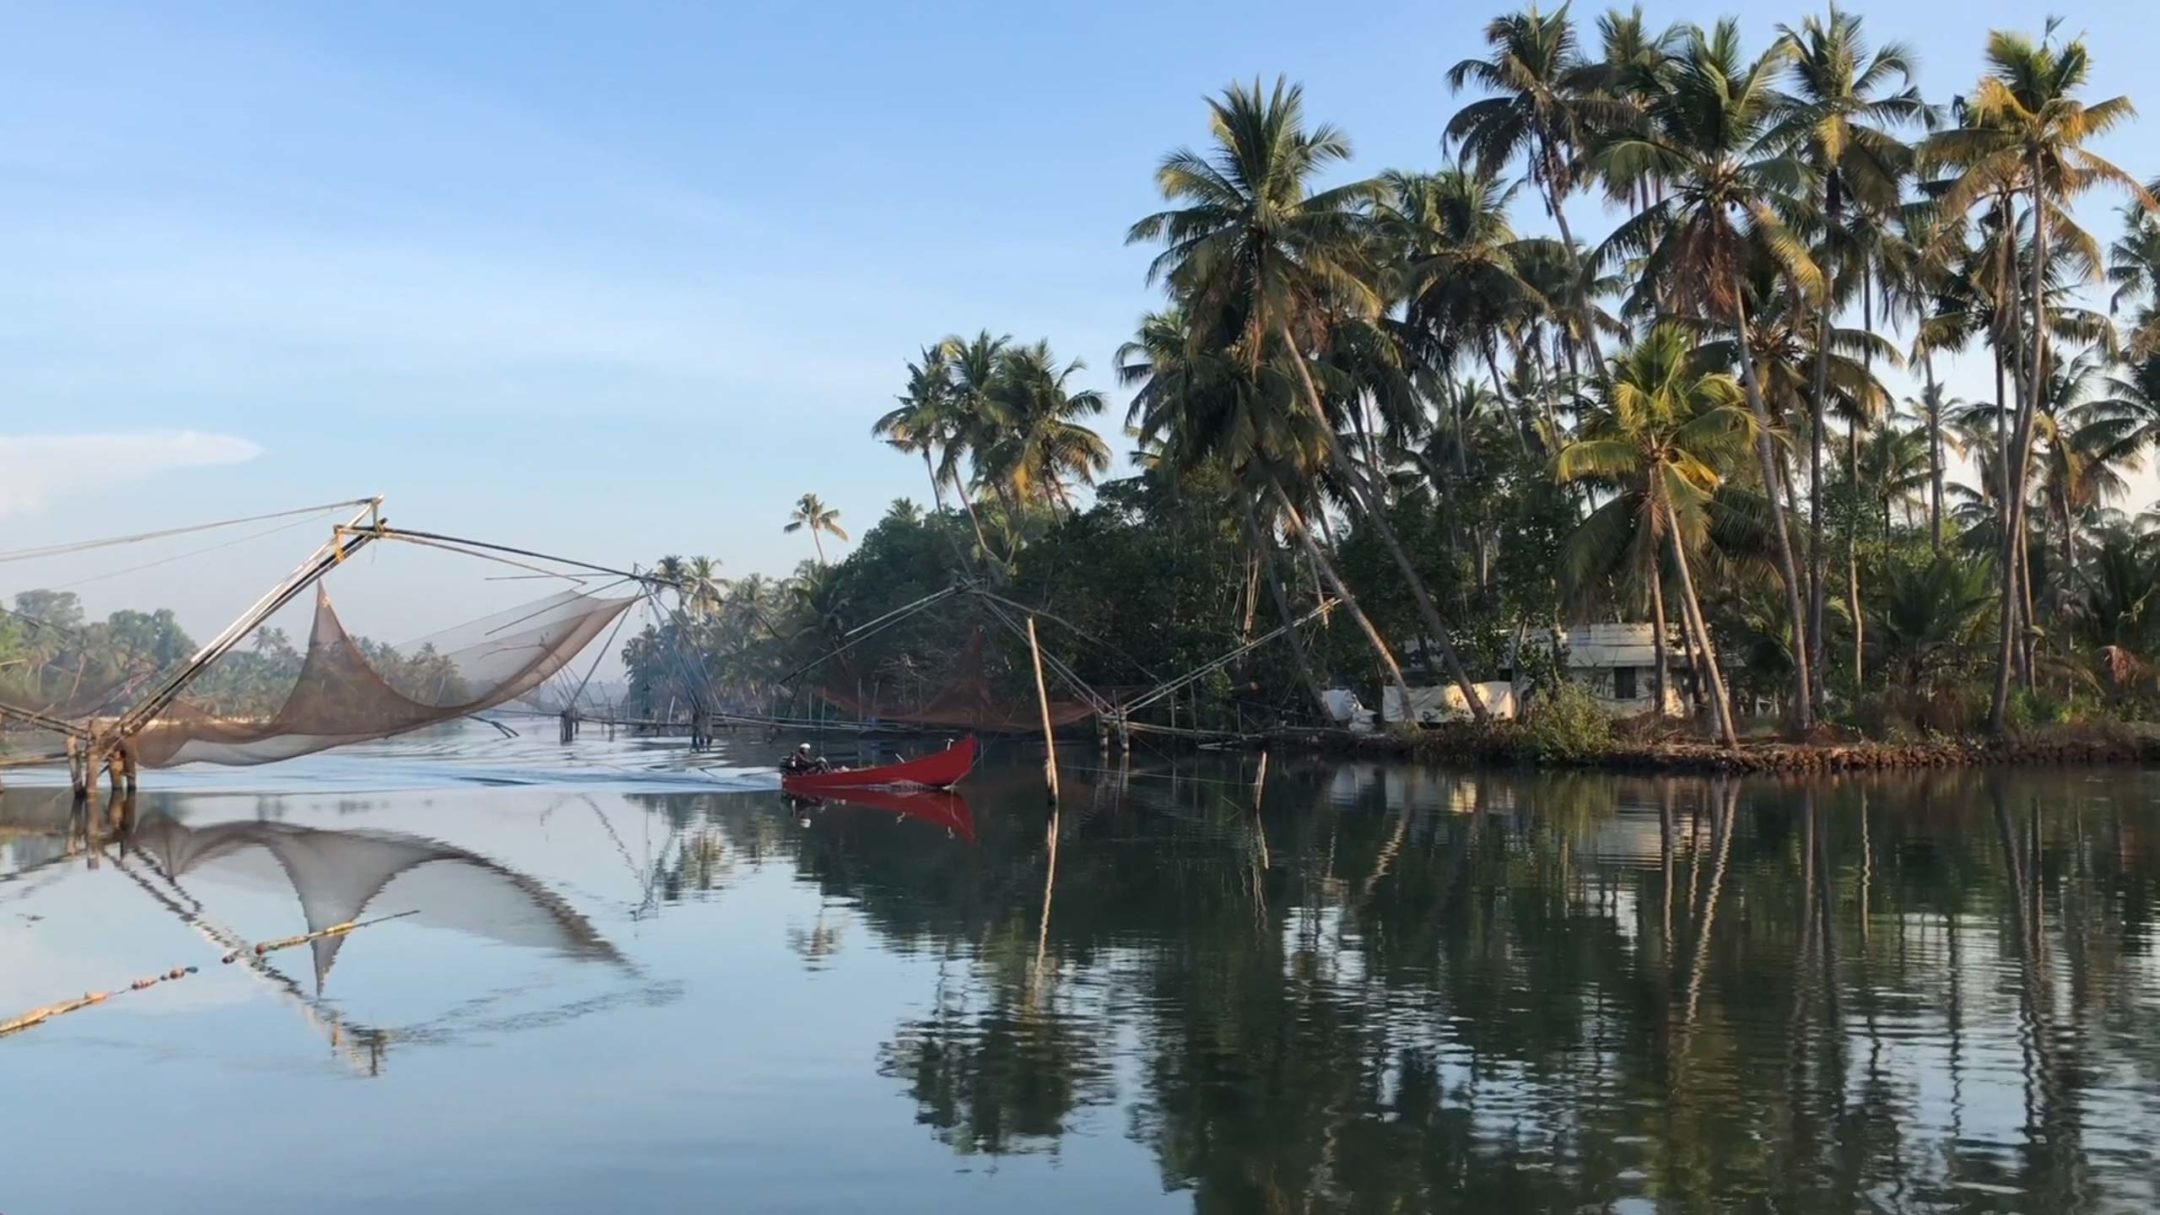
(975, 520)
(1492, 364)
(1935, 460)
(1803, 684)
(1585, 317)
(1818, 572)
(1687, 657)
(1852, 478)
(2069, 542)
(1264, 554)
(1325, 566)
(1657, 631)
(2014, 470)
(1436, 630)
(1720, 705)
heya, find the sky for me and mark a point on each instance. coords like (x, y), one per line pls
(626, 280)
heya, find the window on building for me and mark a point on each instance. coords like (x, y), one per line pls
(1623, 683)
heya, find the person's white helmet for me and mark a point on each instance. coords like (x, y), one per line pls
(805, 747)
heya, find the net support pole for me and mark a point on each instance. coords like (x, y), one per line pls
(343, 542)
(1042, 697)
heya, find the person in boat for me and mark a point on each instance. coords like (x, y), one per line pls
(803, 763)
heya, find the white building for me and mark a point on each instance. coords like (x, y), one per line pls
(1616, 662)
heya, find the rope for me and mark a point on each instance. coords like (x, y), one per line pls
(80, 546)
(198, 552)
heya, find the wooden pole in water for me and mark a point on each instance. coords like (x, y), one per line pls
(1042, 697)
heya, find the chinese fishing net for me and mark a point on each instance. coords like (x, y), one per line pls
(64, 668)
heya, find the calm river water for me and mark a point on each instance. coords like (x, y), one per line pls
(630, 983)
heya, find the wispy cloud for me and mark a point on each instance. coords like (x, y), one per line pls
(37, 469)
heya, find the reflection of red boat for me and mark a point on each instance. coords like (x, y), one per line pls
(928, 772)
(935, 806)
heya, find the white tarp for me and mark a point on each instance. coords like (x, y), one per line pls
(1432, 705)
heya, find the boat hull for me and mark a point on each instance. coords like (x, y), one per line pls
(938, 771)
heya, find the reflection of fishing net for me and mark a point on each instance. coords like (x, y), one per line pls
(342, 876)
(966, 702)
(341, 696)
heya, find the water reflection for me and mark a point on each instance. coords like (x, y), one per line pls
(343, 881)
(1393, 990)
(1289, 986)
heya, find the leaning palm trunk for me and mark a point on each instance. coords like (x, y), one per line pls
(1691, 607)
(1264, 564)
(975, 520)
(1341, 590)
(1803, 682)
(1583, 317)
(2014, 477)
(937, 488)
(1376, 514)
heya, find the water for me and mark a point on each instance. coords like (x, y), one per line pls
(634, 979)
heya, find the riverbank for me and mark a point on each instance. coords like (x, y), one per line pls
(1505, 744)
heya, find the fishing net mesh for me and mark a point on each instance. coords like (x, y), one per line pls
(968, 701)
(244, 708)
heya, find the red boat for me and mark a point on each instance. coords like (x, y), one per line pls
(938, 771)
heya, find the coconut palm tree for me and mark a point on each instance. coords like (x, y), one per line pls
(2134, 268)
(1545, 108)
(1664, 440)
(2023, 132)
(1704, 140)
(923, 423)
(1448, 235)
(812, 515)
(1038, 445)
(1843, 101)
(1264, 266)
(704, 586)
(1194, 407)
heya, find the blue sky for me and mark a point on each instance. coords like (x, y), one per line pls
(625, 280)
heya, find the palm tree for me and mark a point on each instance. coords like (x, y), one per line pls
(1193, 409)
(2134, 268)
(706, 588)
(2024, 132)
(1835, 124)
(1264, 267)
(1928, 620)
(971, 368)
(812, 515)
(1704, 138)
(1544, 109)
(670, 571)
(1448, 236)
(1038, 445)
(922, 424)
(1664, 438)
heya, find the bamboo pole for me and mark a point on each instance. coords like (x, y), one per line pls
(309, 938)
(1042, 697)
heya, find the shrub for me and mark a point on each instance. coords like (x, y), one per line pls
(1568, 726)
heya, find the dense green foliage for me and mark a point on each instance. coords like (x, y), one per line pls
(1378, 391)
